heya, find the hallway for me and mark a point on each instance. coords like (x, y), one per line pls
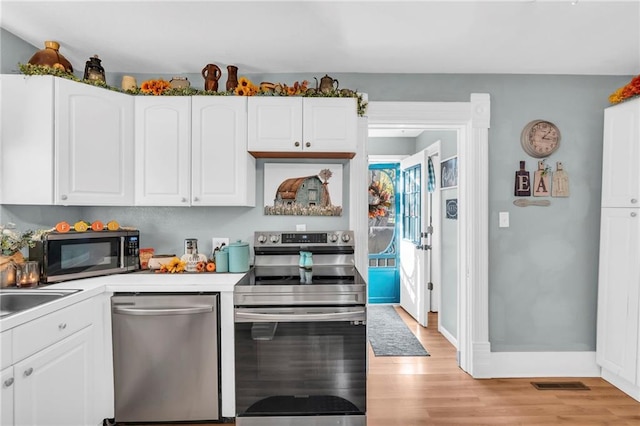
(408, 391)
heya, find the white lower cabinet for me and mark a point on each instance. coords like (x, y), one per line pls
(58, 374)
(55, 386)
(619, 298)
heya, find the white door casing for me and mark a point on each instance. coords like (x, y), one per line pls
(471, 120)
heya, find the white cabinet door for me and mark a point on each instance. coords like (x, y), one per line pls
(162, 150)
(55, 386)
(618, 295)
(330, 125)
(7, 381)
(93, 145)
(275, 124)
(621, 154)
(26, 144)
(307, 125)
(222, 172)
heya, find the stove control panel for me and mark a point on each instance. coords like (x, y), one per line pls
(303, 238)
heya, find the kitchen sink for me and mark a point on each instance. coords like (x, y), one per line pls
(14, 301)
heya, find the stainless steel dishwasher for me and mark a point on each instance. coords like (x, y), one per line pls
(165, 357)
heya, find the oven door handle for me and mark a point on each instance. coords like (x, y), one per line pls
(358, 315)
(163, 311)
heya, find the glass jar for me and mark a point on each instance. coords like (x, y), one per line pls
(28, 274)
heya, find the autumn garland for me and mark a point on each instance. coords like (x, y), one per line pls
(631, 90)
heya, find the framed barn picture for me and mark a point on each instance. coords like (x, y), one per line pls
(303, 189)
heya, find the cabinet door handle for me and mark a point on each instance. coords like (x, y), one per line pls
(196, 199)
(63, 197)
(633, 214)
(634, 201)
(28, 372)
(8, 382)
(308, 144)
(296, 143)
(62, 326)
(184, 200)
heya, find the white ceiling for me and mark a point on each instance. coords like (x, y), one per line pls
(510, 36)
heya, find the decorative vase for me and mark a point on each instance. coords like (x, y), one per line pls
(129, 82)
(179, 83)
(211, 74)
(50, 57)
(232, 78)
(8, 269)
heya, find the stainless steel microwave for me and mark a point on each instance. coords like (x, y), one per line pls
(72, 255)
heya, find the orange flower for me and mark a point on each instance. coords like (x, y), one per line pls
(155, 87)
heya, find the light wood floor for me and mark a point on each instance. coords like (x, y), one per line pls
(432, 390)
(412, 391)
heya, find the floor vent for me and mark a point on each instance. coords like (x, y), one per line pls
(560, 386)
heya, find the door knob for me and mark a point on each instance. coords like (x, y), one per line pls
(8, 382)
(28, 372)
(308, 144)
(296, 143)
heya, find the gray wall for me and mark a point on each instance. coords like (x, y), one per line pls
(390, 146)
(543, 269)
(448, 314)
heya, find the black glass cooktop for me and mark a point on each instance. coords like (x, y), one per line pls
(291, 275)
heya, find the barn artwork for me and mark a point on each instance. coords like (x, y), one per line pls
(303, 189)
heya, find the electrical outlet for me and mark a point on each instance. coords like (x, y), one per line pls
(217, 242)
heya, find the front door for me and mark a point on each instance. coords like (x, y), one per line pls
(384, 275)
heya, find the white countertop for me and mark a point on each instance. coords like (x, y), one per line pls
(144, 281)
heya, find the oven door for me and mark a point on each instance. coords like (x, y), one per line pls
(294, 363)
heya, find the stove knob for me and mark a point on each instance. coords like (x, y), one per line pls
(262, 239)
(274, 238)
(333, 238)
(346, 238)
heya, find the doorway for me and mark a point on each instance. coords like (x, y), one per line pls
(471, 121)
(384, 229)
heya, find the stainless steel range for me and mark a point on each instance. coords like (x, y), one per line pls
(300, 332)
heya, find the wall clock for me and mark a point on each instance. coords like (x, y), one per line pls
(540, 138)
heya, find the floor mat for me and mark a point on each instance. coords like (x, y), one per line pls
(389, 335)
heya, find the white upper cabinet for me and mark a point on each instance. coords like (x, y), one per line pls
(192, 151)
(94, 145)
(621, 155)
(302, 127)
(222, 172)
(65, 143)
(162, 150)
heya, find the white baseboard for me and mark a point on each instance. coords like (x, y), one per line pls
(448, 336)
(543, 364)
(624, 385)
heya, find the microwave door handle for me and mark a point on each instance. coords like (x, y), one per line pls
(302, 317)
(122, 265)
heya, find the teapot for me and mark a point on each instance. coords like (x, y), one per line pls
(326, 84)
(211, 74)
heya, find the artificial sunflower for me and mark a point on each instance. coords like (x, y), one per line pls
(245, 87)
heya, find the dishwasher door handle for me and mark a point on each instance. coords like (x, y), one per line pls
(163, 311)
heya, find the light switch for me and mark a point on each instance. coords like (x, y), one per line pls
(504, 219)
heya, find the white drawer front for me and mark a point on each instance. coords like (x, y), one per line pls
(45, 331)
